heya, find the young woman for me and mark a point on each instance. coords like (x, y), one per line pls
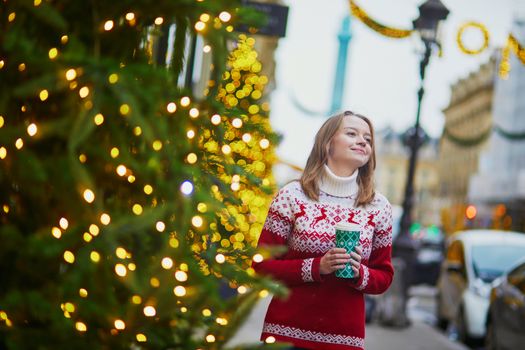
(323, 311)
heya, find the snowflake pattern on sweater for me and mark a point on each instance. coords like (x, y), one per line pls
(323, 312)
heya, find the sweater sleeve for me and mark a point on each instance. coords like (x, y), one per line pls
(276, 230)
(375, 276)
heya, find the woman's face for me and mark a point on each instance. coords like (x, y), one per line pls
(351, 144)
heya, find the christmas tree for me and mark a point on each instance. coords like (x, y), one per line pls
(129, 208)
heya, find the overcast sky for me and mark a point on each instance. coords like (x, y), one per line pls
(382, 76)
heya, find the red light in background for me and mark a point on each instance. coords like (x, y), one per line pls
(471, 212)
(500, 210)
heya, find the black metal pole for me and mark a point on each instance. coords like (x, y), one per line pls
(404, 247)
(414, 145)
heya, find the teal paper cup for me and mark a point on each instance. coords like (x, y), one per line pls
(347, 236)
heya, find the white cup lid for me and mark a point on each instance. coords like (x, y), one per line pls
(347, 227)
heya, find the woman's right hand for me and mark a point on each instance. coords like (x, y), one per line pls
(334, 259)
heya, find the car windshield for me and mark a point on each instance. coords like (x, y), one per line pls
(490, 261)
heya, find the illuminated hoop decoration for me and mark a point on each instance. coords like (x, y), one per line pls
(483, 30)
(390, 32)
(514, 45)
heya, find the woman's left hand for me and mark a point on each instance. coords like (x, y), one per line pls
(355, 260)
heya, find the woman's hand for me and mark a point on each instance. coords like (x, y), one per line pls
(356, 260)
(334, 259)
(337, 258)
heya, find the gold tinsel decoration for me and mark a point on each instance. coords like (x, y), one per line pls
(390, 32)
(483, 30)
(515, 46)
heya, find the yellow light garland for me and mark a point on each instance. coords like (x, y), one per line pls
(484, 32)
(390, 32)
(515, 46)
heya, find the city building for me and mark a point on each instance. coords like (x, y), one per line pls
(468, 121)
(498, 187)
(391, 174)
(197, 67)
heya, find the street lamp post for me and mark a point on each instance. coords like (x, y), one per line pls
(431, 13)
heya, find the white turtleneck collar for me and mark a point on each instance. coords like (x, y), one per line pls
(338, 186)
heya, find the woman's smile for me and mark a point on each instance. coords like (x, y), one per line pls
(358, 150)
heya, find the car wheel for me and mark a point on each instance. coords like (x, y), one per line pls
(491, 342)
(461, 324)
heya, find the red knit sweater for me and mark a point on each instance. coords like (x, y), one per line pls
(323, 312)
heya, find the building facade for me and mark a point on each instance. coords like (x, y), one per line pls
(391, 174)
(468, 121)
(498, 187)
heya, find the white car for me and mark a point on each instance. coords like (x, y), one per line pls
(473, 259)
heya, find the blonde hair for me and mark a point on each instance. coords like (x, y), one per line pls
(319, 157)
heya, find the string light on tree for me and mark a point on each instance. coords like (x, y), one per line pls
(171, 107)
(56, 232)
(119, 324)
(167, 263)
(98, 119)
(53, 53)
(89, 196)
(199, 26)
(108, 25)
(186, 188)
(81, 326)
(150, 311)
(121, 253)
(105, 219)
(32, 129)
(181, 276)
(71, 74)
(185, 101)
(121, 270)
(44, 94)
(225, 16)
(160, 226)
(19, 143)
(179, 291)
(94, 256)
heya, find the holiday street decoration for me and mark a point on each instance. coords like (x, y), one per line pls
(128, 207)
(512, 44)
(467, 141)
(484, 32)
(382, 29)
(483, 136)
(511, 136)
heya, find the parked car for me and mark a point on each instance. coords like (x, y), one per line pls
(506, 317)
(473, 260)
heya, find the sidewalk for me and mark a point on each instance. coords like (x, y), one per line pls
(419, 336)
